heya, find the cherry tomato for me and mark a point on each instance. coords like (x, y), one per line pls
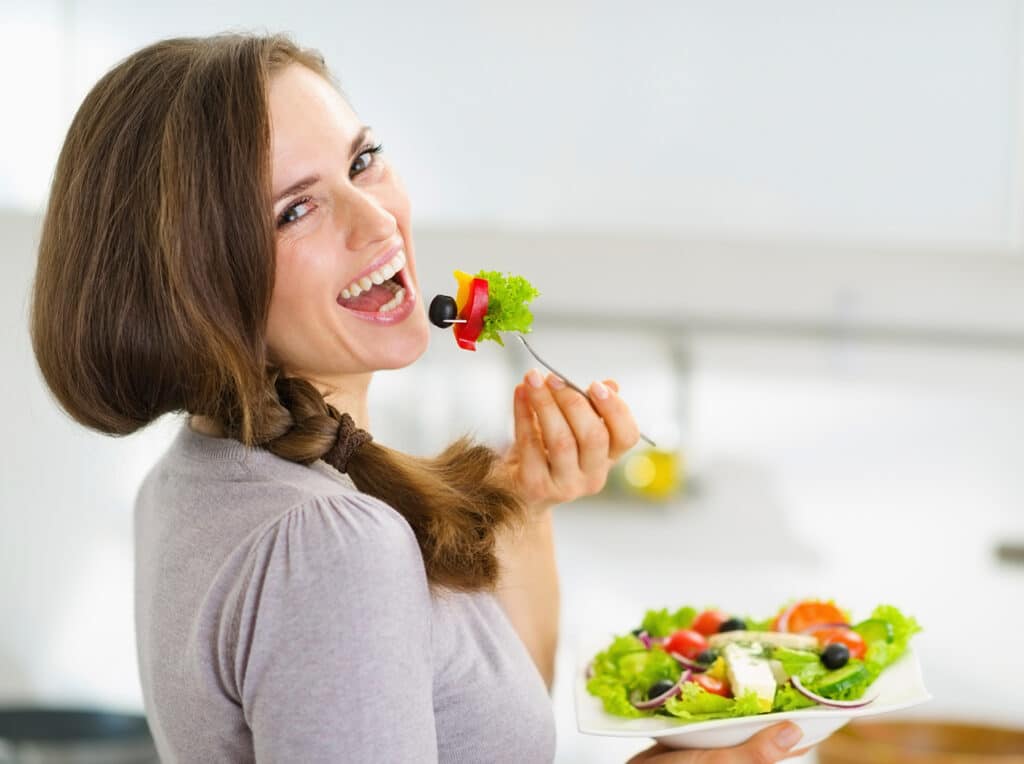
(707, 623)
(712, 685)
(832, 635)
(687, 642)
(808, 613)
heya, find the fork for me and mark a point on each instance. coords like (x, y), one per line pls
(565, 379)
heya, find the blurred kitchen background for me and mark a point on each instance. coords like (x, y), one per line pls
(793, 231)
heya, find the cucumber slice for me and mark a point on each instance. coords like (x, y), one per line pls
(789, 654)
(874, 629)
(835, 683)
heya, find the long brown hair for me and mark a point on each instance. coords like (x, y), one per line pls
(156, 267)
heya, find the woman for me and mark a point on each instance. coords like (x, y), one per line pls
(224, 238)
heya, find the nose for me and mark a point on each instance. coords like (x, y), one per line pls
(366, 220)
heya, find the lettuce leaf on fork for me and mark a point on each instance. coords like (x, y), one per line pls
(507, 311)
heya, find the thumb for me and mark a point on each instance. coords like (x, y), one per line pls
(768, 745)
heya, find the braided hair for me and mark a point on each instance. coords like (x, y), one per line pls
(161, 305)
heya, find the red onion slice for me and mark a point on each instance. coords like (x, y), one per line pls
(590, 670)
(647, 705)
(783, 624)
(644, 637)
(694, 666)
(860, 703)
(814, 627)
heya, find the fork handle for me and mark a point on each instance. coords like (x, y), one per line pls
(567, 381)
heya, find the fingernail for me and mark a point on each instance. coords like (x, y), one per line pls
(788, 736)
(600, 390)
(555, 383)
(534, 378)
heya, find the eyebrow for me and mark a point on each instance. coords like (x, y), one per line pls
(306, 182)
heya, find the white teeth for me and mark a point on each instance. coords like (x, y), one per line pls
(378, 277)
(394, 303)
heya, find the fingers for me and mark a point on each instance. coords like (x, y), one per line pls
(533, 460)
(581, 436)
(648, 754)
(558, 437)
(593, 440)
(623, 432)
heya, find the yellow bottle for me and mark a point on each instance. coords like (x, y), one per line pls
(654, 473)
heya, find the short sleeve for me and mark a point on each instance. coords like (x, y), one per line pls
(333, 654)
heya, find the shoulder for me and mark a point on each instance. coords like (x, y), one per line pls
(342, 532)
(243, 489)
(326, 570)
(336, 581)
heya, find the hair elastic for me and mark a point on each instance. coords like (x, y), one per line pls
(349, 439)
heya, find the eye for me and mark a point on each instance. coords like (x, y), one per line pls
(291, 214)
(364, 160)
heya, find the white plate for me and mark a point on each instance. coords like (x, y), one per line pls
(899, 686)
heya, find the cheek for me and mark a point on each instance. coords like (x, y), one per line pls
(299, 284)
(304, 273)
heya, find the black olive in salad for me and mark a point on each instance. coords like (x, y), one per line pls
(733, 624)
(707, 657)
(835, 655)
(659, 688)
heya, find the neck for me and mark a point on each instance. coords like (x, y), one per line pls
(348, 394)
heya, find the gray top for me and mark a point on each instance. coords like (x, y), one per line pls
(283, 616)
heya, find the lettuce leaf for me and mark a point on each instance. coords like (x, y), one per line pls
(613, 696)
(788, 699)
(661, 623)
(625, 668)
(755, 625)
(695, 704)
(507, 296)
(881, 653)
(805, 665)
(638, 671)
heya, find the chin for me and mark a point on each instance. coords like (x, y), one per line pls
(405, 349)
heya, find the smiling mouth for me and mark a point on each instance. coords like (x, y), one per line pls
(380, 291)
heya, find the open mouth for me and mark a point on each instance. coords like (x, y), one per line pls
(381, 291)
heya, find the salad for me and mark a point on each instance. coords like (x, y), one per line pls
(702, 665)
(484, 306)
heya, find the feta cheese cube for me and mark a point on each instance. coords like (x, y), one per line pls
(748, 671)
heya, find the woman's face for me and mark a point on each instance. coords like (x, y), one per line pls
(346, 298)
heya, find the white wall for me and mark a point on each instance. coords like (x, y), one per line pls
(65, 523)
(868, 121)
